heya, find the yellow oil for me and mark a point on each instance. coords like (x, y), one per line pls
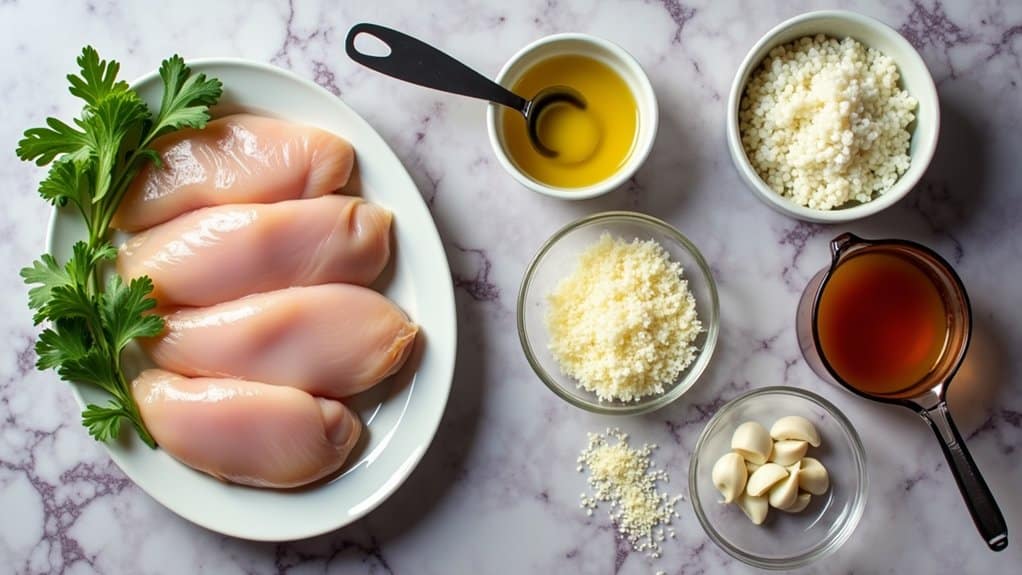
(592, 144)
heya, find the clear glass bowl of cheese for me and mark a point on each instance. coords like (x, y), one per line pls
(560, 255)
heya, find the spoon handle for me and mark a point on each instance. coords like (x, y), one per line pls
(985, 512)
(415, 61)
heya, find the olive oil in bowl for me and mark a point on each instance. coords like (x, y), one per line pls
(592, 144)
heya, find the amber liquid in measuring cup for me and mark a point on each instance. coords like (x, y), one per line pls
(883, 324)
(890, 320)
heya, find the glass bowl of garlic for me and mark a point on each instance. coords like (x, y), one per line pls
(810, 494)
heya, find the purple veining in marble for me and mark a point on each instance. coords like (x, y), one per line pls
(479, 285)
(931, 26)
(938, 207)
(420, 150)
(292, 39)
(1006, 43)
(26, 356)
(633, 191)
(325, 77)
(994, 424)
(622, 549)
(797, 236)
(680, 14)
(62, 510)
(288, 556)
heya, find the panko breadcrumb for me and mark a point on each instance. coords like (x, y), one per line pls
(624, 477)
(824, 122)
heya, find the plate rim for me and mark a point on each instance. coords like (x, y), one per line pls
(402, 473)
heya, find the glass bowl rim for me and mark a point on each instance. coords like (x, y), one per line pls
(826, 546)
(712, 324)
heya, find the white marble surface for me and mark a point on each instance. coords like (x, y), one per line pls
(498, 491)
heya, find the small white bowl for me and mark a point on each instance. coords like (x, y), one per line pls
(915, 78)
(606, 52)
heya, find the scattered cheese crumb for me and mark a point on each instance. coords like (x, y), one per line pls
(623, 477)
(623, 322)
(824, 122)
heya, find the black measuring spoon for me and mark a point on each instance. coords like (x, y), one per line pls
(419, 63)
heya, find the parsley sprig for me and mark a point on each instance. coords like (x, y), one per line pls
(92, 162)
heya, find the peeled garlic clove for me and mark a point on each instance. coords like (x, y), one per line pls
(729, 476)
(751, 467)
(768, 475)
(788, 451)
(813, 477)
(755, 508)
(801, 502)
(795, 427)
(785, 493)
(752, 442)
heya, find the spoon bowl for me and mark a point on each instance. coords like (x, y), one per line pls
(543, 101)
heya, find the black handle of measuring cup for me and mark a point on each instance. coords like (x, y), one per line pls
(978, 498)
(415, 61)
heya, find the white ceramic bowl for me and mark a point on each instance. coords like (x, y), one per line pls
(606, 52)
(915, 78)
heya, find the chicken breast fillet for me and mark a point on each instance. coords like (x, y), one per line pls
(236, 159)
(332, 340)
(246, 432)
(222, 253)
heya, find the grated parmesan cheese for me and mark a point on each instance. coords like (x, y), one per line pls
(623, 322)
(622, 476)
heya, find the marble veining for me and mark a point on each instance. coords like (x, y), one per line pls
(497, 491)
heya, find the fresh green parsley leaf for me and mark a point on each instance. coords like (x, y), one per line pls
(95, 367)
(112, 119)
(98, 78)
(45, 274)
(42, 145)
(67, 181)
(104, 423)
(104, 252)
(123, 308)
(70, 301)
(186, 97)
(65, 340)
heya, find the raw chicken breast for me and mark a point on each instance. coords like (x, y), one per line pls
(331, 340)
(222, 253)
(235, 159)
(246, 432)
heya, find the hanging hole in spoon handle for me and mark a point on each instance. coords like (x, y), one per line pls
(978, 498)
(415, 61)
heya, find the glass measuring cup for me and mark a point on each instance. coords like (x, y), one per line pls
(925, 395)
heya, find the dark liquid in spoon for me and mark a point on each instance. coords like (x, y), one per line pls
(882, 322)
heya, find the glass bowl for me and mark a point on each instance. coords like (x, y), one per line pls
(557, 258)
(783, 541)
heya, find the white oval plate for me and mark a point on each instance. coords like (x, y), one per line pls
(401, 414)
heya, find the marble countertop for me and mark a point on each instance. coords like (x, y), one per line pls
(498, 491)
